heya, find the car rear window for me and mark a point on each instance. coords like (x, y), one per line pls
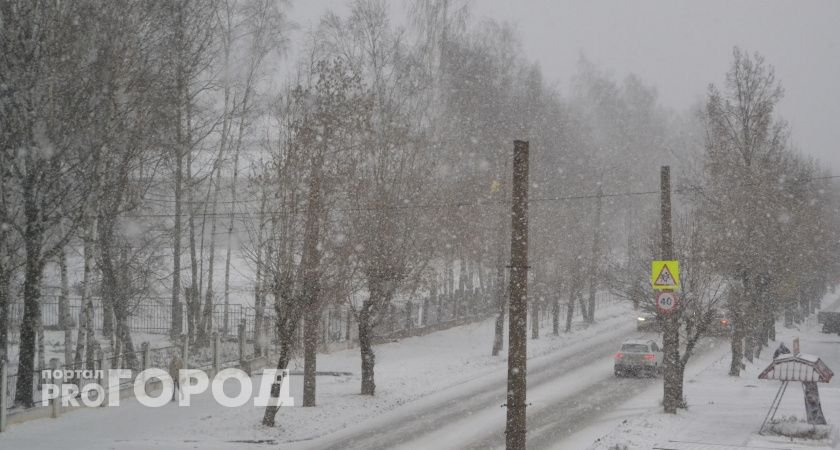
(637, 348)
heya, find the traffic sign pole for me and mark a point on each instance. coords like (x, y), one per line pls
(666, 301)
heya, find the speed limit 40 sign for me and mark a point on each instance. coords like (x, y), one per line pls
(666, 301)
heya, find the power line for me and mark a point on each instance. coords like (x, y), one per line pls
(444, 205)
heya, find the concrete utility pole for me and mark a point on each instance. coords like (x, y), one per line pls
(670, 336)
(518, 326)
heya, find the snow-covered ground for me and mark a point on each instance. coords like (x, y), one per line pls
(444, 391)
(412, 375)
(724, 412)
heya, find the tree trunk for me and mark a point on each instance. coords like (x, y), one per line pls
(64, 290)
(535, 317)
(594, 258)
(310, 349)
(5, 278)
(366, 351)
(85, 335)
(310, 265)
(461, 302)
(114, 290)
(259, 301)
(29, 325)
(437, 297)
(771, 328)
(206, 329)
(107, 320)
(555, 314)
(748, 345)
(679, 386)
(176, 312)
(584, 312)
(737, 337)
(499, 332)
(570, 307)
(5, 296)
(628, 229)
(193, 299)
(737, 346)
(42, 359)
(33, 272)
(65, 318)
(282, 364)
(450, 282)
(230, 241)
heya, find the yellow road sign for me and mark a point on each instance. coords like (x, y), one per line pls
(665, 274)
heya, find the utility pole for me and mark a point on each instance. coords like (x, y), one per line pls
(310, 263)
(518, 326)
(671, 336)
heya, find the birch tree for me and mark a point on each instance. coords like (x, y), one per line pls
(743, 139)
(47, 114)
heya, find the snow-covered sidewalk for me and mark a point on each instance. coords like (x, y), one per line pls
(406, 371)
(724, 412)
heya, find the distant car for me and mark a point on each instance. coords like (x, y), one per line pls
(638, 357)
(649, 322)
(720, 326)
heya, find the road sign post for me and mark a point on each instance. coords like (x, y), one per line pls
(665, 275)
(666, 301)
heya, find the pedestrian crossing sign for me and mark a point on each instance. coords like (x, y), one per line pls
(665, 274)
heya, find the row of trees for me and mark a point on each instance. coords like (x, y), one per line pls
(138, 135)
(118, 123)
(386, 173)
(757, 226)
(771, 214)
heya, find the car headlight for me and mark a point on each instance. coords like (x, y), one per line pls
(641, 319)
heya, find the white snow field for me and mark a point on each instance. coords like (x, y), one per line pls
(414, 376)
(444, 391)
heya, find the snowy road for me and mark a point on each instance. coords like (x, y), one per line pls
(426, 383)
(462, 420)
(571, 390)
(566, 392)
(556, 422)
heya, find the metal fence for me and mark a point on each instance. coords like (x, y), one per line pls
(151, 316)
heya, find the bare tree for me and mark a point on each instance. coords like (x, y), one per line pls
(188, 55)
(265, 27)
(46, 144)
(743, 139)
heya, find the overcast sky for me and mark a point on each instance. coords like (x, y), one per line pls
(682, 46)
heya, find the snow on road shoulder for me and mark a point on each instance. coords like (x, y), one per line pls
(727, 412)
(407, 371)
